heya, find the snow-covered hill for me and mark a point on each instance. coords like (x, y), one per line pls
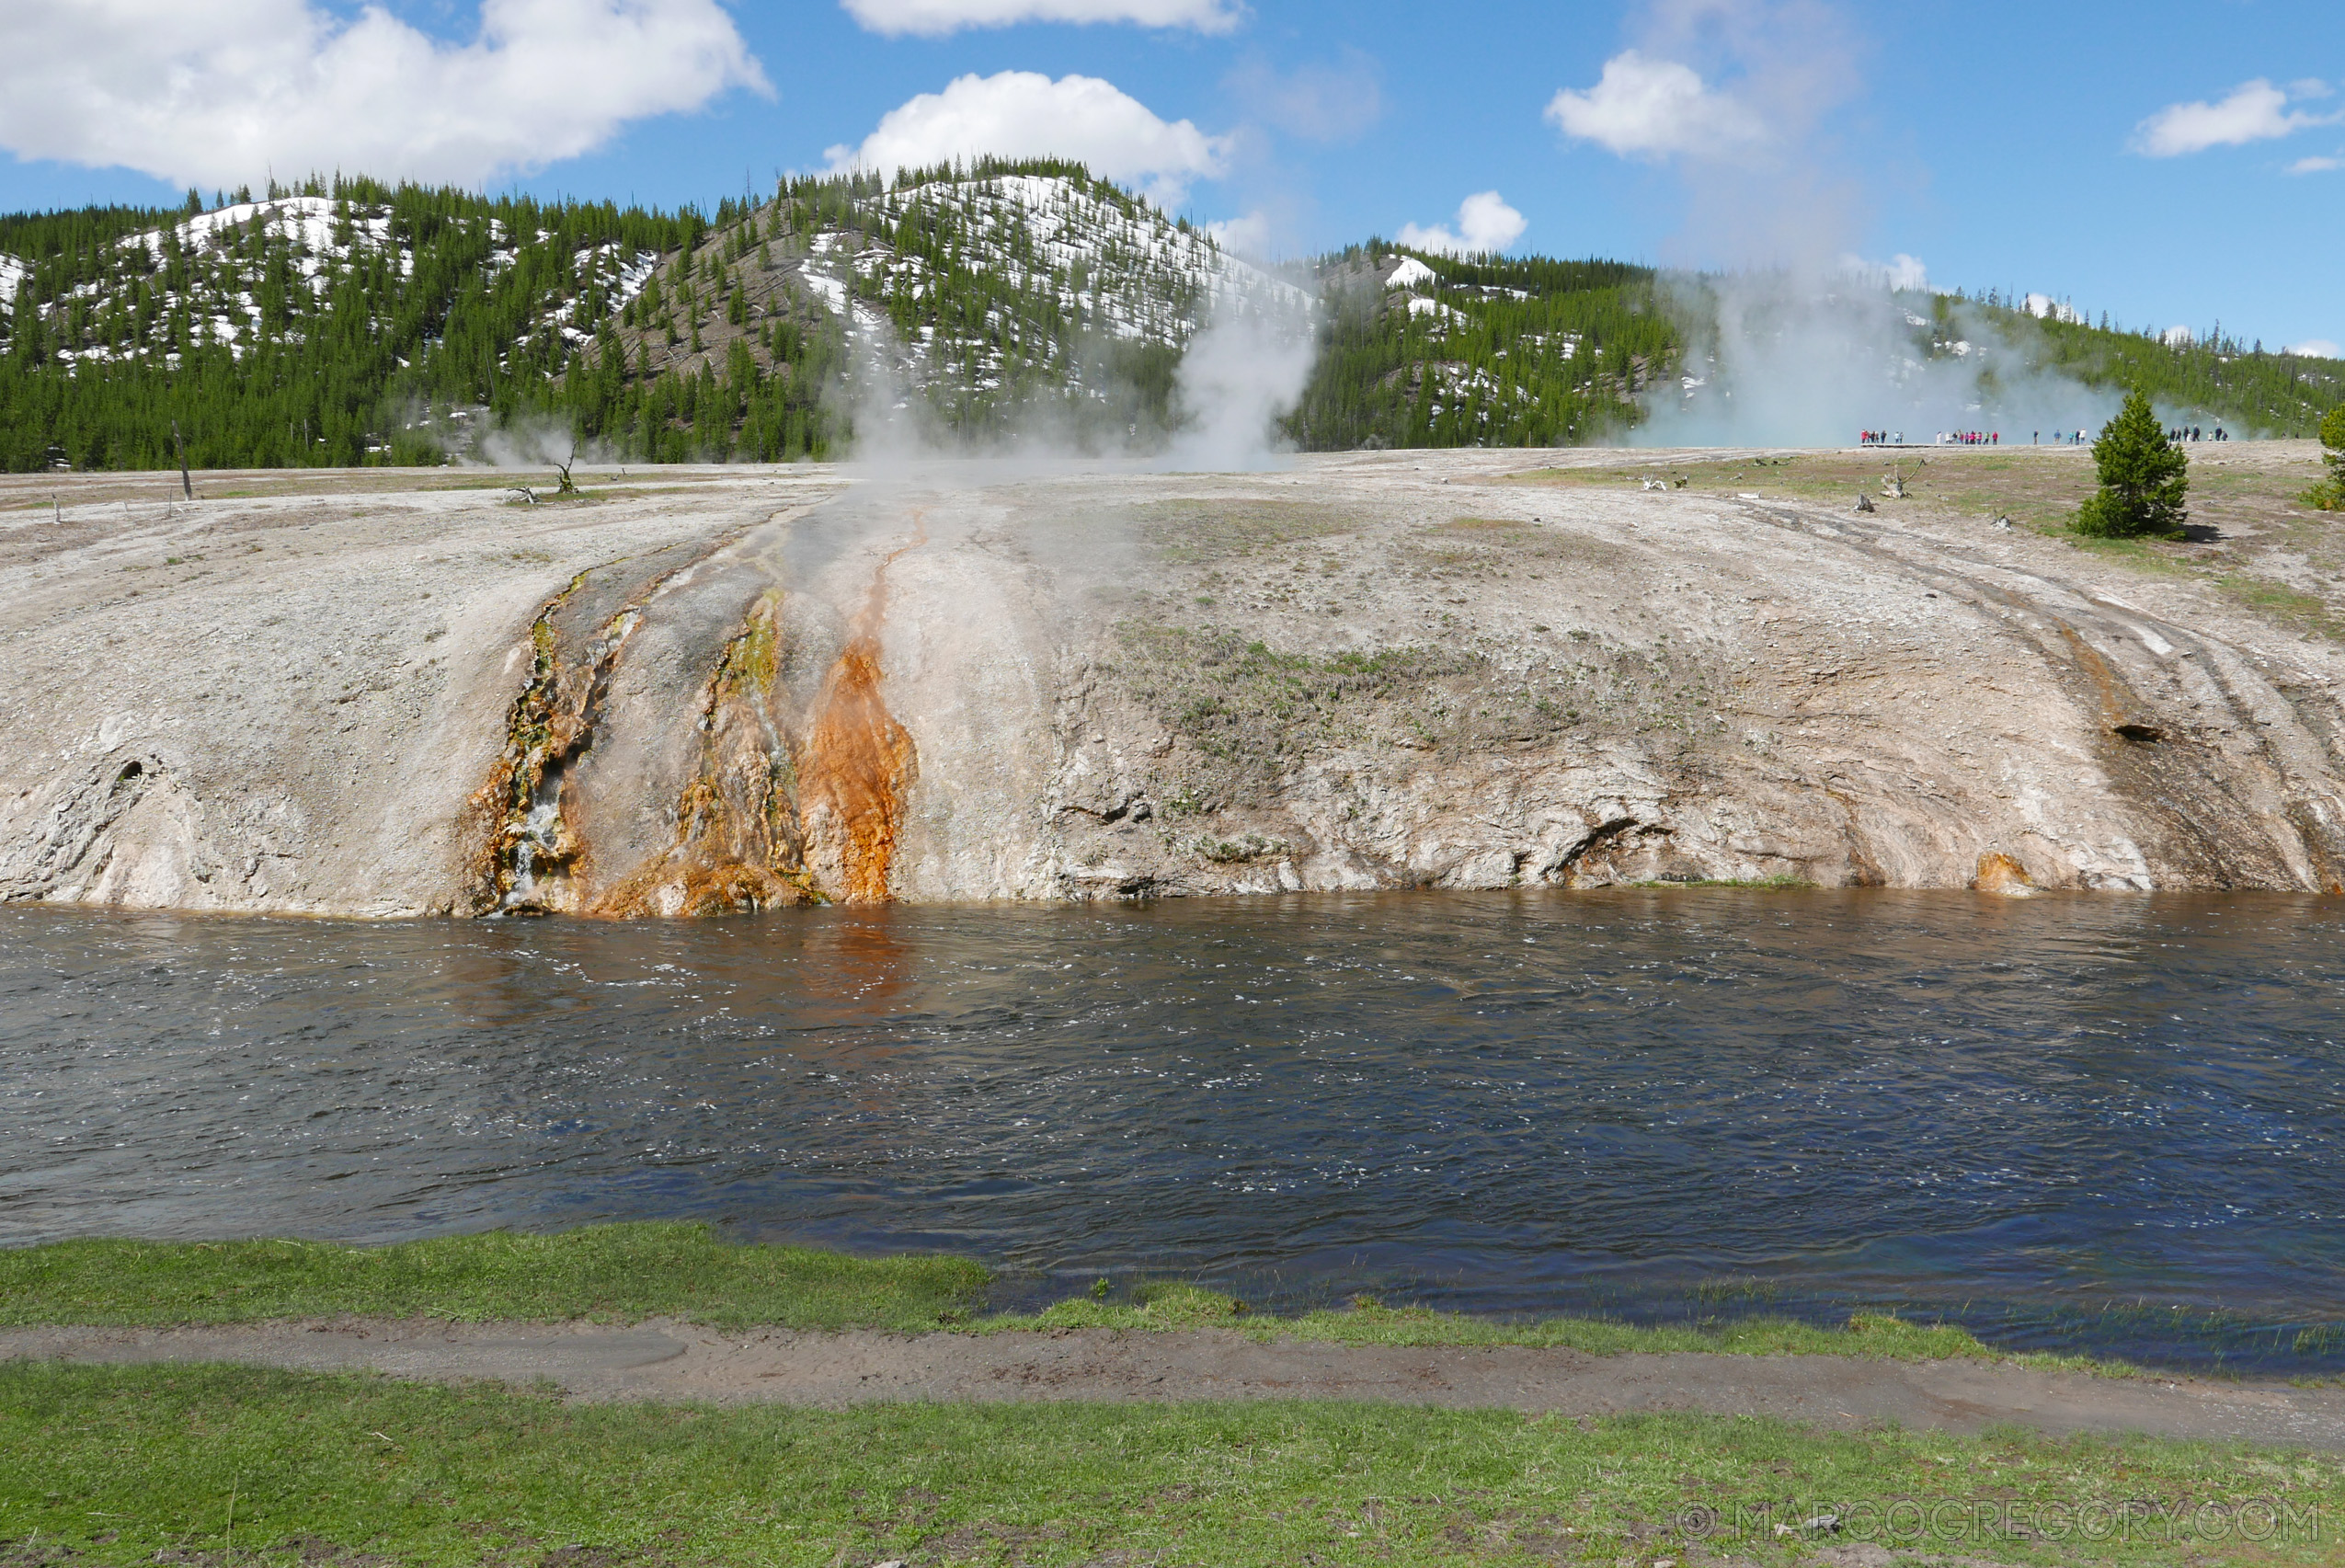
(980, 295)
(369, 321)
(261, 272)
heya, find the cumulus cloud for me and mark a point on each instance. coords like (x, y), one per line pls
(933, 18)
(1484, 224)
(222, 92)
(1333, 101)
(1735, 97)
(2313, 348)
(1024, 114)
(1644, 106)
(2315, 165)
(1248, 237)
(2256, 111)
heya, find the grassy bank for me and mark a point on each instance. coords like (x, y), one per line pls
(607, 1273)
(1365, 1322)
(626, 1273)
(225, 1464)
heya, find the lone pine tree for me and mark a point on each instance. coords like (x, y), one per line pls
(2145, 478)
(2330, 495)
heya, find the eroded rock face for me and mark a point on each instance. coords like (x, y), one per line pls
(737, 689)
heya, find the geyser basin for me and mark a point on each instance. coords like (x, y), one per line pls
(2112, 1124)
(715, 690)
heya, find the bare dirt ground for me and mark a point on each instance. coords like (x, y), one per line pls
(705, 689)
(663, 1360)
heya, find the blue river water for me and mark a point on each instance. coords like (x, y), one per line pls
(2105, 1123)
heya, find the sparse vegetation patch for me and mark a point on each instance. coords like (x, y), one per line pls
(1199, 532)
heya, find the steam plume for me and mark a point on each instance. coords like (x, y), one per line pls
(1790, 343)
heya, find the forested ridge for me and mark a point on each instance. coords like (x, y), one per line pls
(1428, 351)
(351, 322)
(324, 325)
(2253, 389)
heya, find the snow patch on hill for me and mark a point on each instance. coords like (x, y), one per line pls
(1065, 262)
(223, 264)
(1411, 273)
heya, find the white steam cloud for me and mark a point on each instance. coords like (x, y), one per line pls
(1795, 339)
(1242, 373)
(1788, 360)
(1242, 370)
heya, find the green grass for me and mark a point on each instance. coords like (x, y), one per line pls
(2141, 555)
(626, 1273)
(608, 1272)
(1175, 1305)
(118, 1464)
(2281, 604)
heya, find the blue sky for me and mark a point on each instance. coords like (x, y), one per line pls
(1999, 144)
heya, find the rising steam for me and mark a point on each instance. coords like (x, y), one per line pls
(1243, 372)
(1788, 342)
(1788, 358)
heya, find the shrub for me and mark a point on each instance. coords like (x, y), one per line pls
(2145, 478)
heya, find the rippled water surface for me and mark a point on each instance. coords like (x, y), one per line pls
(2112, 1122)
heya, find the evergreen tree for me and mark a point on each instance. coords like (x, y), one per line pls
(2145, 478)
(2330, 495)
(388, 324)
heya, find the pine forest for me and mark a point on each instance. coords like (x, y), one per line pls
(349, 322)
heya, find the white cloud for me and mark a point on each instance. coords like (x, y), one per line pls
(2045, 308)
(1247, 236)
(2315, 165)
(1484, 224)
(1648, 107)
(2256, 111)
(222, 92)
(1024, 114)
(1900, 272)
(2313, 348)
(933, 18)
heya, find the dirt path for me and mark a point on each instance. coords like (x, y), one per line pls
(664, 1360)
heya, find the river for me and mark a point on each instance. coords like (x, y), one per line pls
(2106, 1123)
